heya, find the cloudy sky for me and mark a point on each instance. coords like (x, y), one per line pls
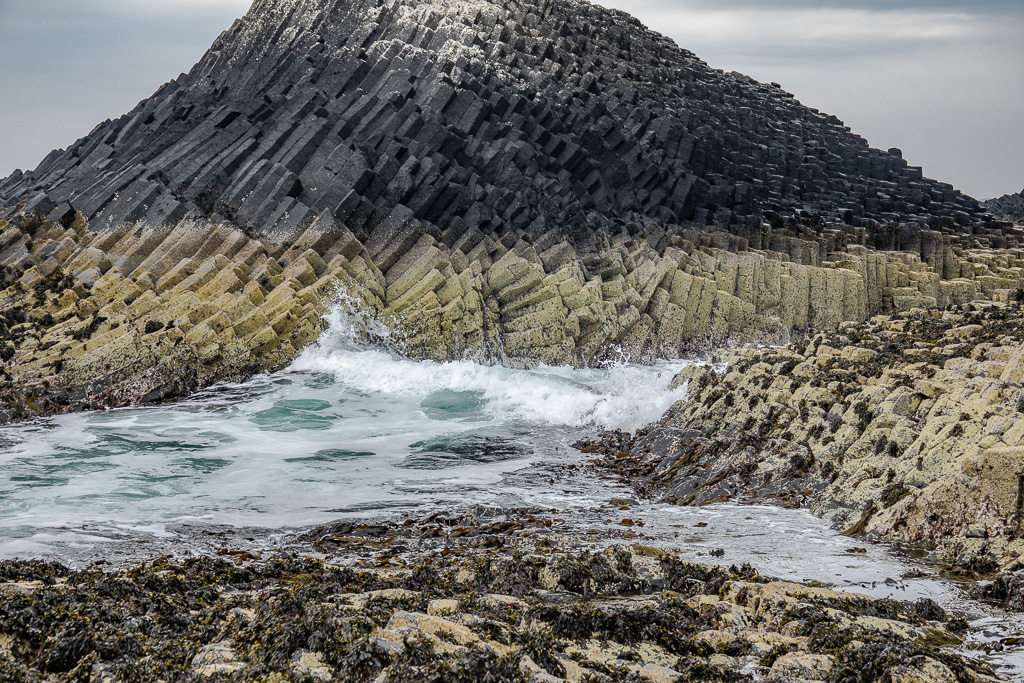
(942, 80)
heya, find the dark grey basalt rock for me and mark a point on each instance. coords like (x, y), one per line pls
(1009, 206)
(511, 117)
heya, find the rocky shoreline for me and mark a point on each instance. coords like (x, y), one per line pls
(904, 426)
(505, 598)
(905, 429)
(140, 315)
(525, 182)
(515, 180)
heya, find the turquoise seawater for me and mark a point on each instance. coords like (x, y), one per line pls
(350, 427)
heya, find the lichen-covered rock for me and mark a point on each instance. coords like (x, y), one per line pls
(201, 303)
(216, 658)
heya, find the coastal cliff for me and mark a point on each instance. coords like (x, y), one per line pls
(140, 314)
(523, 182)
(506, 117)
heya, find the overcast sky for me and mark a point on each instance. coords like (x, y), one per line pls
(942, 80)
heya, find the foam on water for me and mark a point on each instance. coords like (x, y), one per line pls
(620, 396)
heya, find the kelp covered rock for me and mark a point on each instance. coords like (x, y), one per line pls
(628, 614)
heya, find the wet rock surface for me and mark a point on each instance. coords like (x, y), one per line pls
(908, 428)
(535, 182)
(90, 321)
(449, 599)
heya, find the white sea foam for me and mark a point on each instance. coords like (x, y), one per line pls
(350, 427)
(620, 396)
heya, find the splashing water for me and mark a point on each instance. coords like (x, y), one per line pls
(350, 427)
(616, 397)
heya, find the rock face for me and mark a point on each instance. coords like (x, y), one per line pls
(535, 182)
(1009, 207)
(139, 314)
(910, 428)
(78, 332)
(503, 117)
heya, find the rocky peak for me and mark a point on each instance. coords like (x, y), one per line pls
(507, 117)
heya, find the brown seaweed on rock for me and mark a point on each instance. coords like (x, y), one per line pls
(625, 614)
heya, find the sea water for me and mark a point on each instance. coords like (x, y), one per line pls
(354, 429)
(350, 427)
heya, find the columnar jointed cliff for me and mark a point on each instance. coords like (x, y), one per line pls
(1009, 206)
(505, 116)
(541, 180)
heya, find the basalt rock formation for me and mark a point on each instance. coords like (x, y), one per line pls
(1008, 207)
(908, 428)
(138, 315)
(538, 181)
(506, 117)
